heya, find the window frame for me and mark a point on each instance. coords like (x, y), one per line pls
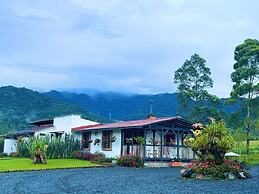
(103, 141)
(89, 138)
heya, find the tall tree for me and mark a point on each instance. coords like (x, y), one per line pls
(246, 78)
(193, 80)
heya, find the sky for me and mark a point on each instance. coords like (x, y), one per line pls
(131, 46)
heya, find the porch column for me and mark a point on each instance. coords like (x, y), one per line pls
(177, 138)
(161, 145)
(144, 146)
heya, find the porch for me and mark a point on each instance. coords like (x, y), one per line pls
(162, 143)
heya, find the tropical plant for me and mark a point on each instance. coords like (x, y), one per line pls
(57, 148)
(140, 142)
(212, 142)
(37, 150)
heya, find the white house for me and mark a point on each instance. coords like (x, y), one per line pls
(163, 137)
(57, 127)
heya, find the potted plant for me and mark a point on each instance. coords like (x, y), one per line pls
(128, 140)
(176, 163)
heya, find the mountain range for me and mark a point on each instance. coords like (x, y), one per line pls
(18, 106)
(117, 106)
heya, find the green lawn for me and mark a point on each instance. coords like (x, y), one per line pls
(21, 164)
(253, 157)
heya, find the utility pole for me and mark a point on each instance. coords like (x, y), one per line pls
(151, 107)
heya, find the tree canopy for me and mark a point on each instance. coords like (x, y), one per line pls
(193, 80)
(246, 79)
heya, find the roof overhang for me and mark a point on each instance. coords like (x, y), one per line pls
(136, 124)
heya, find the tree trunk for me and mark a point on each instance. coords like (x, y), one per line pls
(248, 128)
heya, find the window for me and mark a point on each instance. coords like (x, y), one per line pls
(169, 138)
(107, 140)
(129, 137)
(86, 138)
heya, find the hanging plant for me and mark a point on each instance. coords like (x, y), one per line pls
(114, 138)
(97, 141)
(90, 141)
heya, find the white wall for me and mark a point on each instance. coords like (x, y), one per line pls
(45, 131)
(116, 146)
(67, 122)
(10, 146)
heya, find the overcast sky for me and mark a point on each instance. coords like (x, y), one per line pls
(120, 45)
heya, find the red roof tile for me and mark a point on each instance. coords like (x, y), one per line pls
(125, 124)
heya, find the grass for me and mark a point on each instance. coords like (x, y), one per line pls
(25, 164)
(253, 157)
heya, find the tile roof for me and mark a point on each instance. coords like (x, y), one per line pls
(26, 131)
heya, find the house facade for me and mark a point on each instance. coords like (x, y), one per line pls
(163, 138)
(53, 128)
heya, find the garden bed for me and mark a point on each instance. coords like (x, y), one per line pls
(25, 164)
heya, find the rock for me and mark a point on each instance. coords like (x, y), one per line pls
(247, 174)
(231, 176)
(182, 171)
(199, 176)
(187, 173)
(241, 175)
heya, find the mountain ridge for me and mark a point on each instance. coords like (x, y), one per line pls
(18, 106)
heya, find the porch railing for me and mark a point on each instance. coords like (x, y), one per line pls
(154, 152)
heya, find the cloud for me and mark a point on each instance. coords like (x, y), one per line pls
(119, 45)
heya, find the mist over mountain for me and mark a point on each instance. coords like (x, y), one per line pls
(127, 107)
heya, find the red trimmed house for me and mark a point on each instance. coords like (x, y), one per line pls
(164, 138)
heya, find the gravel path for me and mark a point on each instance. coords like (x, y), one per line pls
(120, 180)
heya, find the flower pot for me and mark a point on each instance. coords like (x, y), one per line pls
(176, 164)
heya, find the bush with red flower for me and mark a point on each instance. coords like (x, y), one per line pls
(97, 157)
(130, 161)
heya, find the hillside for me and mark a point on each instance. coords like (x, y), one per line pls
(126, 107)
(20, 105)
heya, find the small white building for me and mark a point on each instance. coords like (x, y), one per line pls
(57, 127)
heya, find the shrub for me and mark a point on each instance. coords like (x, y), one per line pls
(57, 148)
(97, 157)
(210, 168)
(22, 147)
(2, 155)
(1, 145)
(130, 161)
(87, 156)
